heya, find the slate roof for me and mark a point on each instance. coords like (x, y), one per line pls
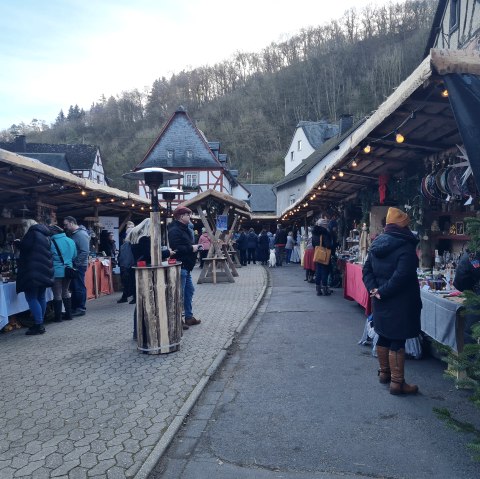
(262, 198)
(317, 132)
(79, 157)
(318, 155)
(56, 160)
(180, 145)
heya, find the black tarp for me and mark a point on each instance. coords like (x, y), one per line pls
(464, 95)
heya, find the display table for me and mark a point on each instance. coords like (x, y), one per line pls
(441, 319)
(353, 287)
(13, 303)
(98, 278)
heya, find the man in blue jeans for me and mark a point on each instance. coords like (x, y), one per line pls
(181, 242)
(81, 238)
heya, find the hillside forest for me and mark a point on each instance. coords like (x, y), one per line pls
(252, 102)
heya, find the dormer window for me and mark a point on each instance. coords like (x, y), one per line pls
(454, 15)
(189, 154)
(169, 153)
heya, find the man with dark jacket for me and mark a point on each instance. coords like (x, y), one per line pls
(181, 243)
(280, 242)
(81, 238)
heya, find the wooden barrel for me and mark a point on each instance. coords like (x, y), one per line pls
(159, 309)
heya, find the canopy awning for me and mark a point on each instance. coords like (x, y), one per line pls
(26, 181)
(419, 111)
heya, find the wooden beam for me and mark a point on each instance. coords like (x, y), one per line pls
(455, 61)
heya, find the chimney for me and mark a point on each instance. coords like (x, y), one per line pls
(20, 144)
(345, 123)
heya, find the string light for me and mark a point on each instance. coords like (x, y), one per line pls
(444, 93)
(367, 149)
(340, 174)
(354, 163)
(334, 177)
(399, 138)
(324, 186)
(98, 200)
(83, 193)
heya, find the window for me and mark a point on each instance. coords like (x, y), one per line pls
(190, 179)
(292, 156)
(189, 154)
(299, 145)
(454, 14)
(292, 199)
(169, 153)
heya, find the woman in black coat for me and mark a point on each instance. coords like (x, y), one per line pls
(390, 275)
(321, 233)
(252, 243)
(35, 271)
(263, 247)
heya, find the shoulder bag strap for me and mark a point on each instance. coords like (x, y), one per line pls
(58, 251)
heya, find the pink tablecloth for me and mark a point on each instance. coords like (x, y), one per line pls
(354, 289)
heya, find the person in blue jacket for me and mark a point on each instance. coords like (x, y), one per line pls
(61, 244)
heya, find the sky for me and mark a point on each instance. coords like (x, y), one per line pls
(59, 53)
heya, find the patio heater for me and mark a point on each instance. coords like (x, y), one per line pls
(159, 305)
(154, 178)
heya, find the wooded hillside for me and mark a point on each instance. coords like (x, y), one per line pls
(252, 102)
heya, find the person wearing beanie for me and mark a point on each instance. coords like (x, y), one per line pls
(181, 241)
(320, 232)
(390, 276)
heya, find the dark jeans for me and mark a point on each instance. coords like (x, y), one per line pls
(243, 257)
(321, 274)
(279, 254)
(203, 255)
(392, 344)
(251, 254)
(37, 303)
(288, 253)
(79, 290)
(128, 281)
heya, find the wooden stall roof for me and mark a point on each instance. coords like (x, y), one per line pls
(25, 181)
(416, 109)
(203, 198)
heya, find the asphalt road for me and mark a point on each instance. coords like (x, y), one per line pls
(298, 398)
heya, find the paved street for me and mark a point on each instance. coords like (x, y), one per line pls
(298, 398)
(81, 402)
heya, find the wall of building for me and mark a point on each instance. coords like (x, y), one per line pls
(298, 155)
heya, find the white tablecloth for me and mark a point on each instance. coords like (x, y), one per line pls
(12, 303)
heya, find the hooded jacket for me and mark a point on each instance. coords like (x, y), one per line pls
(67, 248)
(391, 267)
(35, 264)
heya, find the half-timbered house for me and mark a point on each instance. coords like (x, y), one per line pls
(182, 148)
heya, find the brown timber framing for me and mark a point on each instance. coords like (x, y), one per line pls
(418, 93)
(27, 181)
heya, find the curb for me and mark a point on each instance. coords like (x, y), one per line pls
(174, 426)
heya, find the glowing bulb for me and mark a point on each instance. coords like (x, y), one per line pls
(354, 163)
(444, 93)
(324, 186)
(399, 138)
(334, 177)
(367, 149)
(98, 200)
(83, 193)
(341, 174)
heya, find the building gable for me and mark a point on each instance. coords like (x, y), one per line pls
(180, 145)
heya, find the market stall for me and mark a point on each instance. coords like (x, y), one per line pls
(219, 213)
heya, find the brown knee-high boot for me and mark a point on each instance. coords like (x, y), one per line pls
(397, 368)
(384, 371)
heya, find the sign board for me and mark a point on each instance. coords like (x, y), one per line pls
(222, 222)
(110, 223)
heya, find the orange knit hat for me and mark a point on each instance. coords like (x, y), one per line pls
(397, 217)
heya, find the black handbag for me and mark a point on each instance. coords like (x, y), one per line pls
(70, 271)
